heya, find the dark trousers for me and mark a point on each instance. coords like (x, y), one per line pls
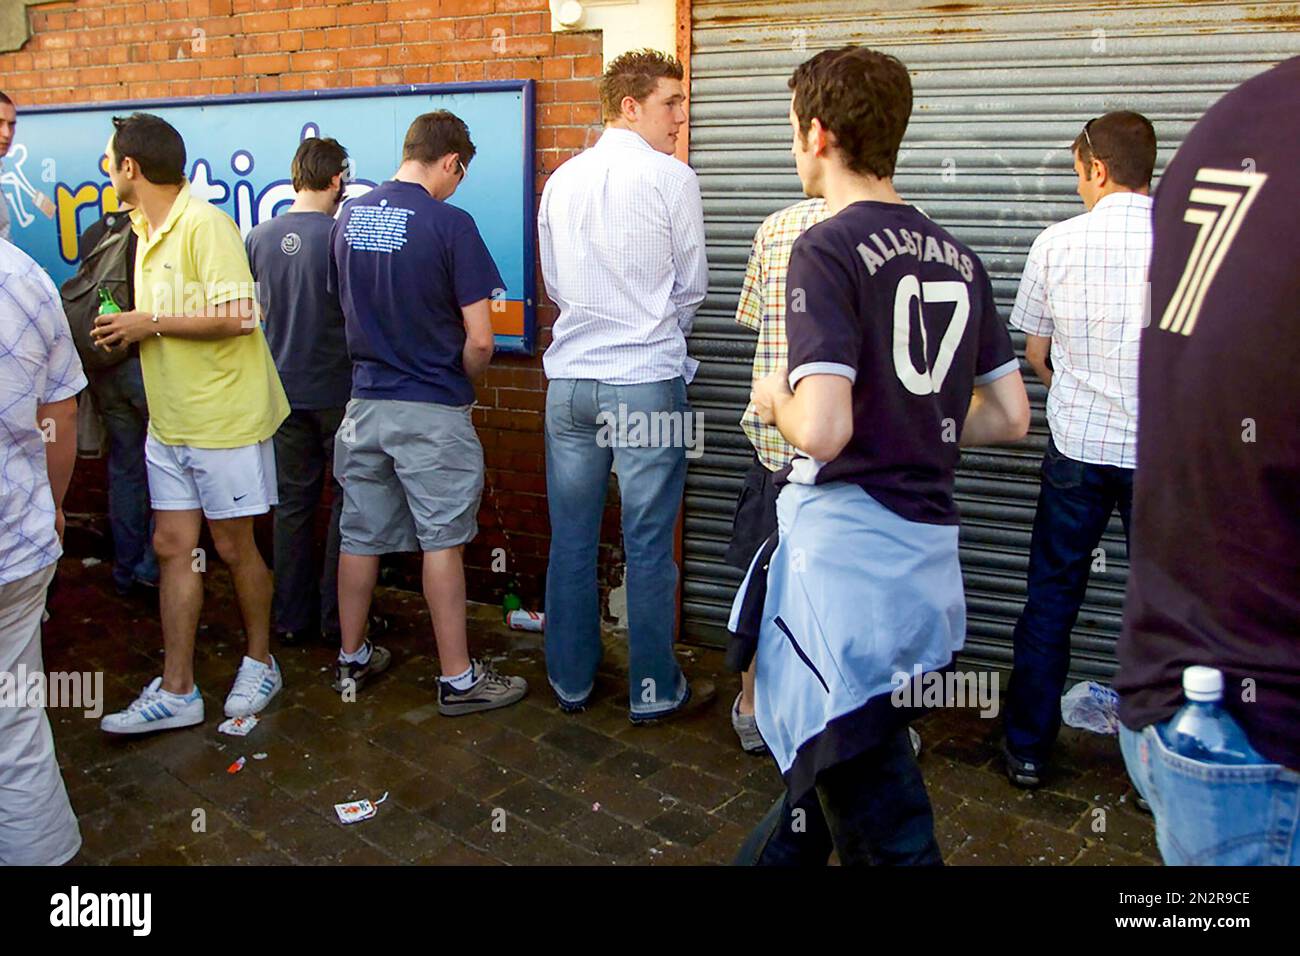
(871, 809)
(306, 598)
(119, 397)
(1074, 506)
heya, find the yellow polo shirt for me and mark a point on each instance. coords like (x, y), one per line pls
(206, 393)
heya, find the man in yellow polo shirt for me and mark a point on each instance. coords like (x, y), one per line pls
(215, 400)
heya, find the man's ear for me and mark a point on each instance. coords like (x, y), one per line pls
(630, 107)
(1100, 174)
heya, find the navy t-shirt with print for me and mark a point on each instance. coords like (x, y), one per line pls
(404, 264)
(1214, 573)
(881, 294)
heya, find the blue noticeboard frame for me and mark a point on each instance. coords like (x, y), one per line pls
(238, 150)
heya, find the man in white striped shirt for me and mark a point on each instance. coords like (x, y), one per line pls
(1083, 299)
(621, 229)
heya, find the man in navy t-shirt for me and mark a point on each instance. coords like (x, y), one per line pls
(1215, 576)
(896, 356)
(289, 256)
(414, 278)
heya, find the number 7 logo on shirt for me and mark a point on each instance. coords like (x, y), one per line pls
(1218, 227)
(929, 381)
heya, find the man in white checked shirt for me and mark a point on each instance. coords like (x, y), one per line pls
(1083, 299)
(621, 229)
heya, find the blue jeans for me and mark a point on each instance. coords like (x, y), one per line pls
(871, 809)
(580, 449)
(1074, 506)
(119, 396)
(305, 599)
(1214, 815)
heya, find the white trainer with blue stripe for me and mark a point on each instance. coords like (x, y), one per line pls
(155, 709)
(255, 685)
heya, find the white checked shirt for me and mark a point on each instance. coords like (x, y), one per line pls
(1085, 286)
(621, 230)
(38, 366)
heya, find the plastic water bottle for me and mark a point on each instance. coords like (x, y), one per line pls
(1202, 729)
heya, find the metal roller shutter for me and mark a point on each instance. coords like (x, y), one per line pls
(1000, 92)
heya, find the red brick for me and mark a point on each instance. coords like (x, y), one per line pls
(310, 61)
(557, 68)
(363, 13)
(588, 65)
(178, 70)
(270, 63)
(415, 74)
(464, 8)
(519, 6)
(413, 10)
(521, 399)
(313, 17)
(555, 114)
(588, 113)
(415, 32)
(362, 36)
(577, 91)
(226, 66)
(528, 23)
(442, 73)
(577, 44)
(264, 22)
(514, 70)
(349, 59)
(290, 42)
(388, 33)
(469, 28)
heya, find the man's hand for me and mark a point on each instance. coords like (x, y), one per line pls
(770, 391)
(59, 523)
(120, 329)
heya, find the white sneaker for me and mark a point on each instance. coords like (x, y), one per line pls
(255, 685)
(153, 710)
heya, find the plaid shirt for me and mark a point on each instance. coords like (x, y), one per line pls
(1085, 287)
(762, 308)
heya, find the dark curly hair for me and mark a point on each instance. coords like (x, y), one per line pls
(862, 96)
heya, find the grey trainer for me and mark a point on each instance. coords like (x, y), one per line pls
(489, 691)
(746, 728)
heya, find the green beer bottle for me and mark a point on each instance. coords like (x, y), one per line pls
(106, 303)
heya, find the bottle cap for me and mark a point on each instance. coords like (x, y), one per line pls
(1202, 683)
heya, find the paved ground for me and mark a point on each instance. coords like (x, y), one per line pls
(584, 789)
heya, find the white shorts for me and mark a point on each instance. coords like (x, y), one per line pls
(224, 482)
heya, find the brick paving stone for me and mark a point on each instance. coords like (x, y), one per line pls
(539, 804)
(1041, 844)
(693, 786)
(520, 844)
(584, 745)
(685, 825)
(746, 808)
(459, 813)
(402, 834)
(629, 762)
(609, 837)
(681, 792)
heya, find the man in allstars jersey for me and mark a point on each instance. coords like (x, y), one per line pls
(896, 357)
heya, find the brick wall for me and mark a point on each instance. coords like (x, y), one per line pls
(99, 50)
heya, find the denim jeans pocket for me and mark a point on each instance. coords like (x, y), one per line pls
(1061, 471)
(1220, 814)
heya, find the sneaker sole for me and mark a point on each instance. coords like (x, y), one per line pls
(250, 712)
(460, 710)
(166, 723)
